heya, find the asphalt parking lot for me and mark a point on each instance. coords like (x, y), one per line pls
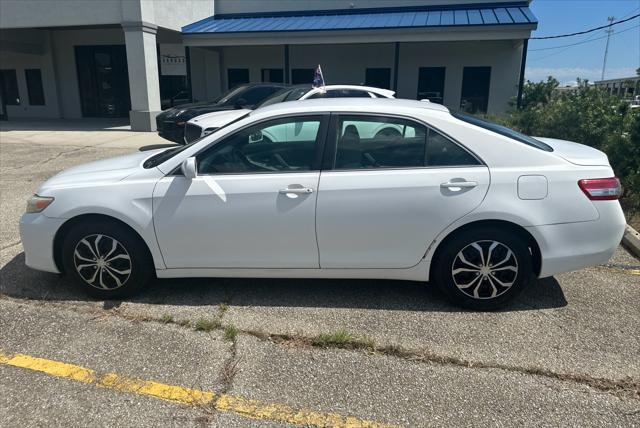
(275, 352)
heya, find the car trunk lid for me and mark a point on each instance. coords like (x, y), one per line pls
(578, 154)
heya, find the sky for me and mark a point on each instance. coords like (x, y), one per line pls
(583, 61)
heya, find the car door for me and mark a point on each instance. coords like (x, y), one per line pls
(394, 185)
(252, 203)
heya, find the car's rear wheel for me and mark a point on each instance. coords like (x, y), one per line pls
(483, 269)
(106, 260)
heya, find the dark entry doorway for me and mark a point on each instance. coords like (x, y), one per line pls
(475, 89)
(431, 84)
(103, 80)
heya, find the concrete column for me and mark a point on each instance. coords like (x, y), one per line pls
(144, 85)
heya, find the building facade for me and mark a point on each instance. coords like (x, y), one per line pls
(626, 87)
(130, 58)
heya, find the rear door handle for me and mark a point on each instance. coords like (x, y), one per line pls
(296, 190)
(459, 184)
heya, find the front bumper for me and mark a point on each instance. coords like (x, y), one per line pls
(572, 246)
(37, 233)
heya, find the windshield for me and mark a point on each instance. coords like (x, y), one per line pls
(231, 95)
(162, 157)
(290, 94)
(504, 131)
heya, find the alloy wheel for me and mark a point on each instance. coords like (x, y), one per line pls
(484, 269)
(102, 262)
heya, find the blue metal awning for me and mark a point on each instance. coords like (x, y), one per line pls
(468, 15)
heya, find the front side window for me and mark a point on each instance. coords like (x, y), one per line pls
(281, 145)
(369, 142)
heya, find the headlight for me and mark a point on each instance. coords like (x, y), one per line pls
(36, 203)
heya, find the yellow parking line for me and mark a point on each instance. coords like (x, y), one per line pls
(253, 409)
(625, 271)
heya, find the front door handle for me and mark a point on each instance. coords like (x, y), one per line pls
(453, 185)
(296, 190)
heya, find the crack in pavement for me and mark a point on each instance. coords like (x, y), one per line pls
(627, 386)
(13, 244)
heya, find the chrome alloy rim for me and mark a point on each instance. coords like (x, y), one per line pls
(484, 269)
(102, 262)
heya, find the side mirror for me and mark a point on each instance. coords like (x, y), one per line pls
(188, 168)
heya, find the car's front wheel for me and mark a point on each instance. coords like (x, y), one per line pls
(106, 260)
(483, 269)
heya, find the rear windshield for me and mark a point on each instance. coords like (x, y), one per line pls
(504, 131)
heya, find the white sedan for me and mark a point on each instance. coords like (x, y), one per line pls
(208, 123)
(305, 189)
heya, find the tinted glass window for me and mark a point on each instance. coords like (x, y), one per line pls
(431, 84)
(237, 76)
(285, 95)
(275, 75)
(34, 86)
(255, 95)
(503, 130)
(475, 89)
(9, 87)
(302, 75)
(378, 77)
(382, 142)
(441, 151)
(379, 142)
(274, 146)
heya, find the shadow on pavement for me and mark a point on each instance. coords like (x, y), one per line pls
(21, 282)
(89, 124)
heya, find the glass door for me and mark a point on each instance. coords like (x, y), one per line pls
(103, 81)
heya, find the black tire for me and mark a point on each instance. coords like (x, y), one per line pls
(485, 291)
(133, 273)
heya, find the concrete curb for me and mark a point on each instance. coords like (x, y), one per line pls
(631, 241)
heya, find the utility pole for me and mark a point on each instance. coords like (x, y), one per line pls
(606, 49)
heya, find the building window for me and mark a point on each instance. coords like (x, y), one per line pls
(378, 77)
(9, 87)
(431, 84)
(237, 76)
(273, 75)
(301, 76)
(34, 86)
(475, 89)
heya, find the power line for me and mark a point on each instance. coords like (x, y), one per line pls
(586, 31)
(589, 40)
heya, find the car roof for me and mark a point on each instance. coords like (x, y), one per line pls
(363, 105)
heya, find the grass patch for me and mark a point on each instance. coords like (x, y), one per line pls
(342, 339)
(223, 307)
(206, 325)
(167, 319)
(230, 333)
(184, 323)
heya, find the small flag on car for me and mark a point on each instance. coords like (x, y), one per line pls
(318, 79)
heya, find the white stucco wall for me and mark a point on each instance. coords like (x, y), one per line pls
(347, 64)
(170, 14)
(43, 61)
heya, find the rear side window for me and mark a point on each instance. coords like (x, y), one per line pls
(504, 131)
(369, 142)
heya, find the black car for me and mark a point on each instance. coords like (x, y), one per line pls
(170, 123)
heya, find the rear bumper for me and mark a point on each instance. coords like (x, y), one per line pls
(37, 233)
(572, 246)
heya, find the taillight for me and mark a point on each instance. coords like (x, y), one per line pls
(601, 189)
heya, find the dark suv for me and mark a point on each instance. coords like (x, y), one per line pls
(170, 123)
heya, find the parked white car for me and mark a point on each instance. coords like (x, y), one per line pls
(475, 207)
(208, 123)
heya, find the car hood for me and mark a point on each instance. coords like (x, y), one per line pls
(575, 153)
(103, 171)
(218, 119)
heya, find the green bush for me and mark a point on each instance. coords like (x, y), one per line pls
(586, 115)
